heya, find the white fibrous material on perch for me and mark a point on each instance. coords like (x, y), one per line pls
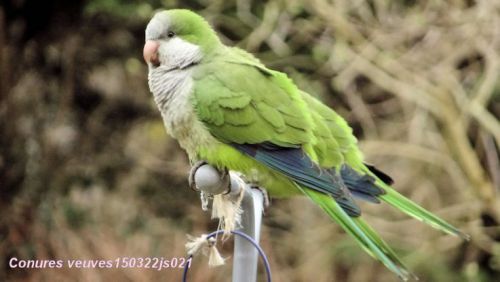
(226, 200)
(207, 247)
(227, 208)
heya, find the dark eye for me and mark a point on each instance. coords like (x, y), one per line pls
(171, 34)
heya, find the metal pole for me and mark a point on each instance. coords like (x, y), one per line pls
(245, 254)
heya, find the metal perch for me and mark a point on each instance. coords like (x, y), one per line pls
(210, 182)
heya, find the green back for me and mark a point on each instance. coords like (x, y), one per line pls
(240, 102)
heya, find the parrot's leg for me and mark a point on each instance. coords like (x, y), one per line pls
(267, 201)
(225, 180)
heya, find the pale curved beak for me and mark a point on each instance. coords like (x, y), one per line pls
(150, 52)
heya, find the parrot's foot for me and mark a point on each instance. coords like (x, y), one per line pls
(207, 179)
(267, 201)
(192, 174)
(225, 180)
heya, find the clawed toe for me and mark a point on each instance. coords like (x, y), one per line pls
(192, 173)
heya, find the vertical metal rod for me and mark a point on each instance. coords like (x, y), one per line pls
(245, 255)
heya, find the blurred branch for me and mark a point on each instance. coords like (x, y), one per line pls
(446, 100)
(363, 113)
(491, 74)
(415, 152)
(385, 81)
(486, 119)
(491, 157)
(266, 27)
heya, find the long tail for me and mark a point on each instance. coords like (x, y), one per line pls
(409, 207)
(365, 236)
(377, 186)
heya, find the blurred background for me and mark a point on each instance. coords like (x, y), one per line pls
(88, 172)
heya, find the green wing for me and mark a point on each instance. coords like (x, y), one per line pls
(335, 142)
(240, 103)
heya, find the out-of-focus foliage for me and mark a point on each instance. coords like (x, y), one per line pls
(87, 171)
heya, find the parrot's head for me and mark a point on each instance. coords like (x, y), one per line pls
(178, 39)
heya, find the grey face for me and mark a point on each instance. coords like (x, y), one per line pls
(158, 27)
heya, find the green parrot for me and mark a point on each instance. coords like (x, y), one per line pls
(226, 108)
